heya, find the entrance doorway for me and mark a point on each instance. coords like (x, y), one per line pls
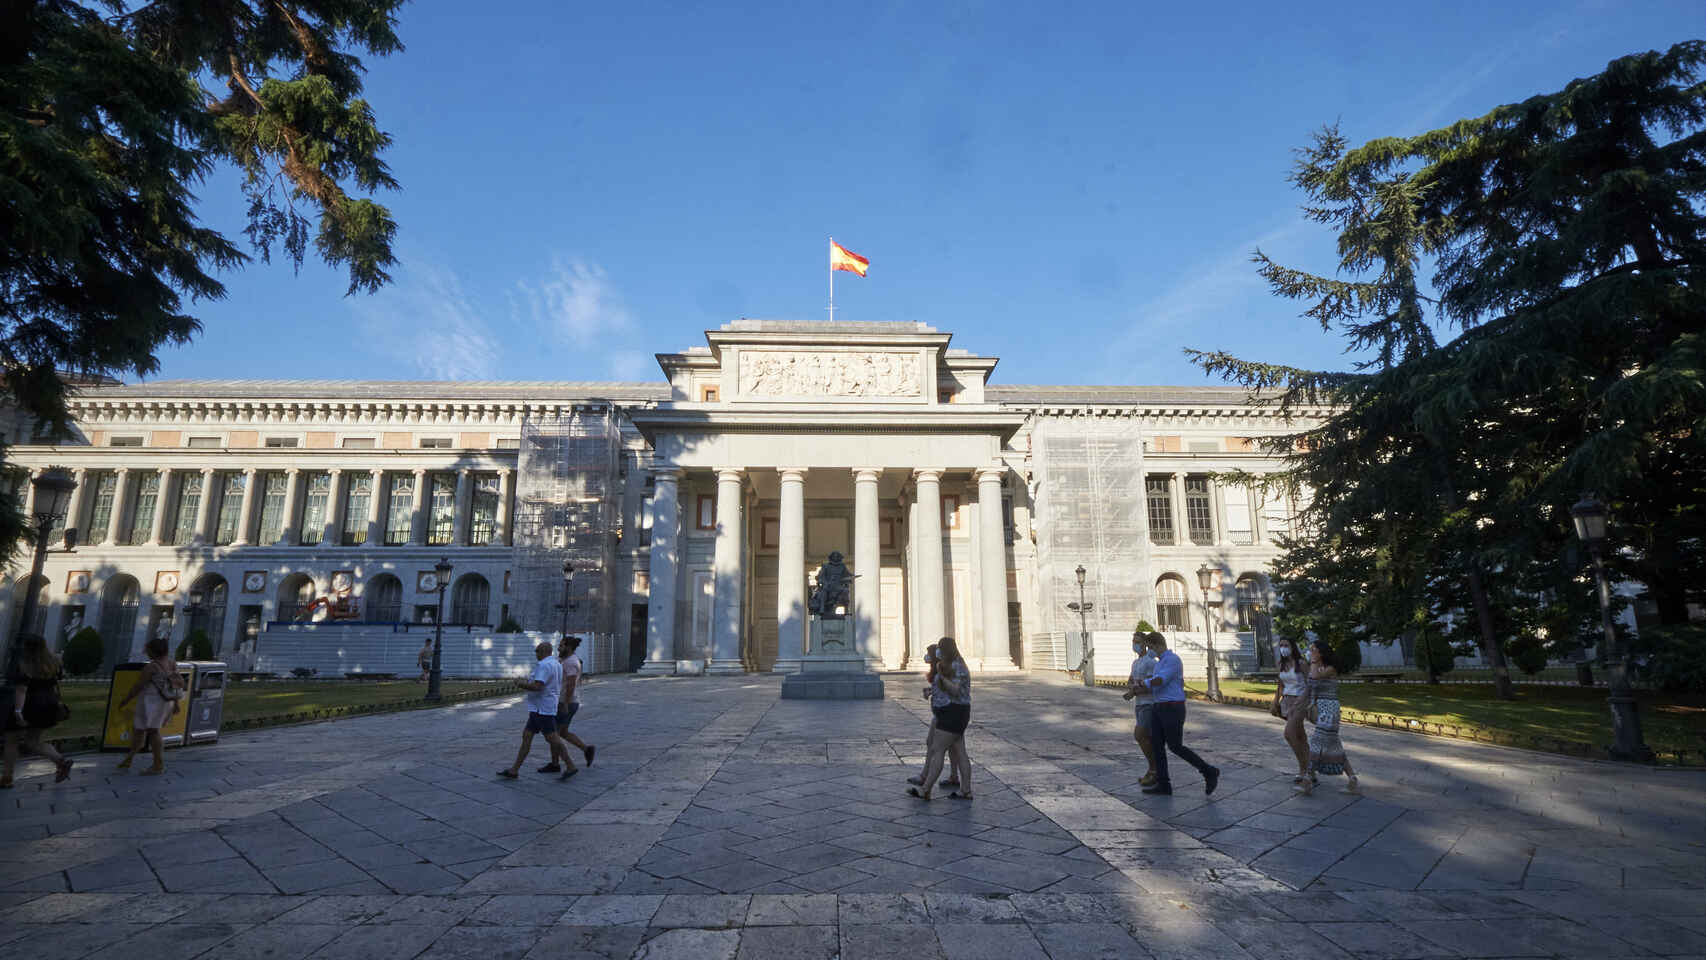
(637, 636)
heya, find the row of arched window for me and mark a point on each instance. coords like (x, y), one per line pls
(1173, 605)
(382, 599)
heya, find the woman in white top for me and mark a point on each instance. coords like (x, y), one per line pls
(1291, 703)
(1139, 690)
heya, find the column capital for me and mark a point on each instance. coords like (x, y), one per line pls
(250, 471)
(666, 473)
(792, 474)
(929, 474)
(993, 473)
(867, 474)
(730, 474)
(334, 471)
(121, 471)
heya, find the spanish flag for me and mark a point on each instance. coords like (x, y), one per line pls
(841, 258)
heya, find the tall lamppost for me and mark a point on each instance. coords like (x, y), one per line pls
(1088, 664)
(435, 678)
(1205, 579)
(568, 592)
(1590, 517)
(53, 488)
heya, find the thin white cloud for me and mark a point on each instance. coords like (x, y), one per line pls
(428, 324)
(576, 300)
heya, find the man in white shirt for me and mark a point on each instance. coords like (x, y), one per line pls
(543, 690)
(567, 706)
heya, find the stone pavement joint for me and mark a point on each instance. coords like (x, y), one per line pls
(721, 821)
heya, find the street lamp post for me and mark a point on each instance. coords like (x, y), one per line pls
(1205, 579)
(53, 488)
(1088, 664)
(435, 678)
(568, 592)
(1590, 517)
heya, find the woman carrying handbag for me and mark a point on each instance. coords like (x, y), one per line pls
(35, 707)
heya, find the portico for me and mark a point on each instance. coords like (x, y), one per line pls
(868, 439)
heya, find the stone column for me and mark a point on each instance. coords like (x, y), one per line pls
(1217, 512)
(1258, 523)
(867, 567)
(376, 509)
(915, 642)
(292, 518)
(204, 510)
(927, 579)
(1181, 524)
(418, 518)
(994, 652)
(79, 499)
(660, 605)
(790, 571)
(115, 520)
(30, 476)
(157, 530)
(332, 534)
(506, 490)
(464, 506)
(246, 518)
(725, 617)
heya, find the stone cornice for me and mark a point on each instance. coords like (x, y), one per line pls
(395, 413)
(750, 417)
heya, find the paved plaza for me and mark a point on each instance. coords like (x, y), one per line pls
(721, 821)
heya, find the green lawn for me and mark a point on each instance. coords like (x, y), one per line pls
(1570, 713)
(254, 699)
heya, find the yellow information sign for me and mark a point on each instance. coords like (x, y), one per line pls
(116, 736)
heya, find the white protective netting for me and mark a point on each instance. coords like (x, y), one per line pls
(1089, 509)
(568, 507)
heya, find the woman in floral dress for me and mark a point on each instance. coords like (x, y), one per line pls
(1326, 753)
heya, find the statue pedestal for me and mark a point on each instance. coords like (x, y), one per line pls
(832, 667)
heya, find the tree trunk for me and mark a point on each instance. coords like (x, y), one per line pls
(1490, 647)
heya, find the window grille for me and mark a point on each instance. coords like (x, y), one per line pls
(1199, 516)
(1172, 609)
(315, 500)
(230, 508)
(441, 528)
(143, 505)
(1160, 495)
(400, 512)
(275, 488)
(483, 519)
(471, 600)
(189, 504)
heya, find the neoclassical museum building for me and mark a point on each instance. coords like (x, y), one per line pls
(298, 523)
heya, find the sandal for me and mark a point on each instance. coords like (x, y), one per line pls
(63, 771)
(508, 774)
(913, 792)
(1351, 786)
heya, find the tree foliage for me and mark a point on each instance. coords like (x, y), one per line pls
(1559, 348)
(111, 113)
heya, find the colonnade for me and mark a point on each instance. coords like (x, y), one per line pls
(925, 573)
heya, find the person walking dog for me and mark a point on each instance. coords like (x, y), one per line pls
(543, 690)
(1168, 682)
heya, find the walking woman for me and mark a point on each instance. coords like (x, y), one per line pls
(1326, 753)
(160, 687)
(35, 707)
(1291, 703)
(938, 700)
(1138, 689)
(947, 734)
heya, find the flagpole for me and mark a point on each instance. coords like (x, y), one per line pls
(831, 279)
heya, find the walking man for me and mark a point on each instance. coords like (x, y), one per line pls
(424, 659)
(543, 689)
(567, 706)
(1168, 720)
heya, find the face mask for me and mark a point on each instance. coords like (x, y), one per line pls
(1137, 648)
(1285, 651)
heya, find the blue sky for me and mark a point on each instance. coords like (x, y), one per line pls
(1074, 188)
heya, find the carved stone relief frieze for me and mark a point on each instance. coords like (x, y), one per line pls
(805, 374)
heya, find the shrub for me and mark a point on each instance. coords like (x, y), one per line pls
(196, 646)
(1143, 626)
(1435, 654)
(1348, 651)
(1527, 652)
(1672, 658)
(83, 652)
(510, 625)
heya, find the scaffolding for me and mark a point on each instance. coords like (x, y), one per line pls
(568, 508)
(1089, 503)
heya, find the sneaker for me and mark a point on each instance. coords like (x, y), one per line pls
(1210, 780)
(568, 773)
(1164, 789)
(1148, 779)
(551, 767)
(917, 781)
(588, 752)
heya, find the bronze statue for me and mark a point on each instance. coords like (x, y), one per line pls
(834, 587)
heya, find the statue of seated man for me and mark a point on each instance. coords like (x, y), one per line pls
(833, 588)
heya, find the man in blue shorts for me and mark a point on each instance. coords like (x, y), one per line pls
(543, 689)
(567, 706)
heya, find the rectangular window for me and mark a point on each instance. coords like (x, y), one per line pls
(1007, 520)
(188, 505)
(357, 496)
(316, 495)
(281, 441)
(1239, 530)
(143, 505)
(1276, 515)
(705, 512)
(358, 443)
(275, 487)
(205, 443)
(230, 507)
(400, 511)
(101, 512)
(709, 393)
(483, 517)
(509, 443)
(124, 441)
(441, 520)
(1199, 516)
(1160, 493)
(435, 443)
(645, 523)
